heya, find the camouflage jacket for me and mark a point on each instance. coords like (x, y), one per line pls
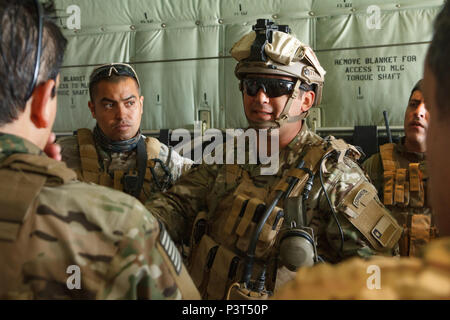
(380, 278)
(66, 239)
(126, 162)
(212, 189)
(414, 213)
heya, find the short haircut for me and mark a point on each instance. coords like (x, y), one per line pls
(18, 45)
(438, 59)
(114, 79)
(418, 87)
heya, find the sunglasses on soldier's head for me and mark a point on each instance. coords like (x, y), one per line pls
(108, 70)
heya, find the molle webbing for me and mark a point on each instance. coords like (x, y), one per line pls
(402, 186)
(25, 175)
(88, 156)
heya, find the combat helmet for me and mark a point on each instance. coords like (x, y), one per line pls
(270, 49)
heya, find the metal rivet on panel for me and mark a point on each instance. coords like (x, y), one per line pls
(163, 25)
(133, 27)
(311, 13)
(220, 21)
(398, 5)
(102, 29)
(275, 16)
(352, 9)
(197, 22)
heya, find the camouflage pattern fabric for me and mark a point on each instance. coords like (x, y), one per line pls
(207, 188)
(411, 218)
(424, 277)
(109, 235)
(126, 162)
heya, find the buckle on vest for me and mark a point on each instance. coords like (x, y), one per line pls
(130, 183)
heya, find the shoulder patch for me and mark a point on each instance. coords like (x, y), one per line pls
(170, 249)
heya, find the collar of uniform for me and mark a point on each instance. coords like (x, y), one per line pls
(10, 144)
(115, 146)
(412, 156)
(297, 143)
(301, 138)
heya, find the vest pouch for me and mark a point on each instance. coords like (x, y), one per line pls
(419, 234)
(222, 274)
(238, 292)
(202, 261)
(399, 188)
(268, 233)
(416, 186)
(388, 194)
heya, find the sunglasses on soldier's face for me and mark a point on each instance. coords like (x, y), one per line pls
(108, 70)
(272, 87)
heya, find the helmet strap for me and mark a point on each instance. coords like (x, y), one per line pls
(284, 116)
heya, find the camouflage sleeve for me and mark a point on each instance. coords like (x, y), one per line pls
(70, 152)
(118, 247)
(177, 164)
(374, 168)
(178, 207)
(146, 265)
(340, 180)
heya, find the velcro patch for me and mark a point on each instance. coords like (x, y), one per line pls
(384, 230)
(171, 250)
(358, 197)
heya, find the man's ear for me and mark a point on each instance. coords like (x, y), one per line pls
(307, 100)
(92, 108)
(41, 108)
(142, 104)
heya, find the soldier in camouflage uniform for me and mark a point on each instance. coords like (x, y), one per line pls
(60, 238)
(115, 153)
(400, 175)
(428, 275)
(217, 208)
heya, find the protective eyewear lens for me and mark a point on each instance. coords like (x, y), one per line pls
(272, 87)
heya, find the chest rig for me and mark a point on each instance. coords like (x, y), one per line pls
(221, 238)
(129, 182)
(404, 193)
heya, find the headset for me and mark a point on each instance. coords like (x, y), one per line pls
(39, 49)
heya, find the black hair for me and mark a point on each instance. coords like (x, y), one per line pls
(114, 78)
(18, 45)
(438, 59)
(418, 87)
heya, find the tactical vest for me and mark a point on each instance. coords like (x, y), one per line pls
(91, 170)
(404, 193)
(22, 176)
(220, 239)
